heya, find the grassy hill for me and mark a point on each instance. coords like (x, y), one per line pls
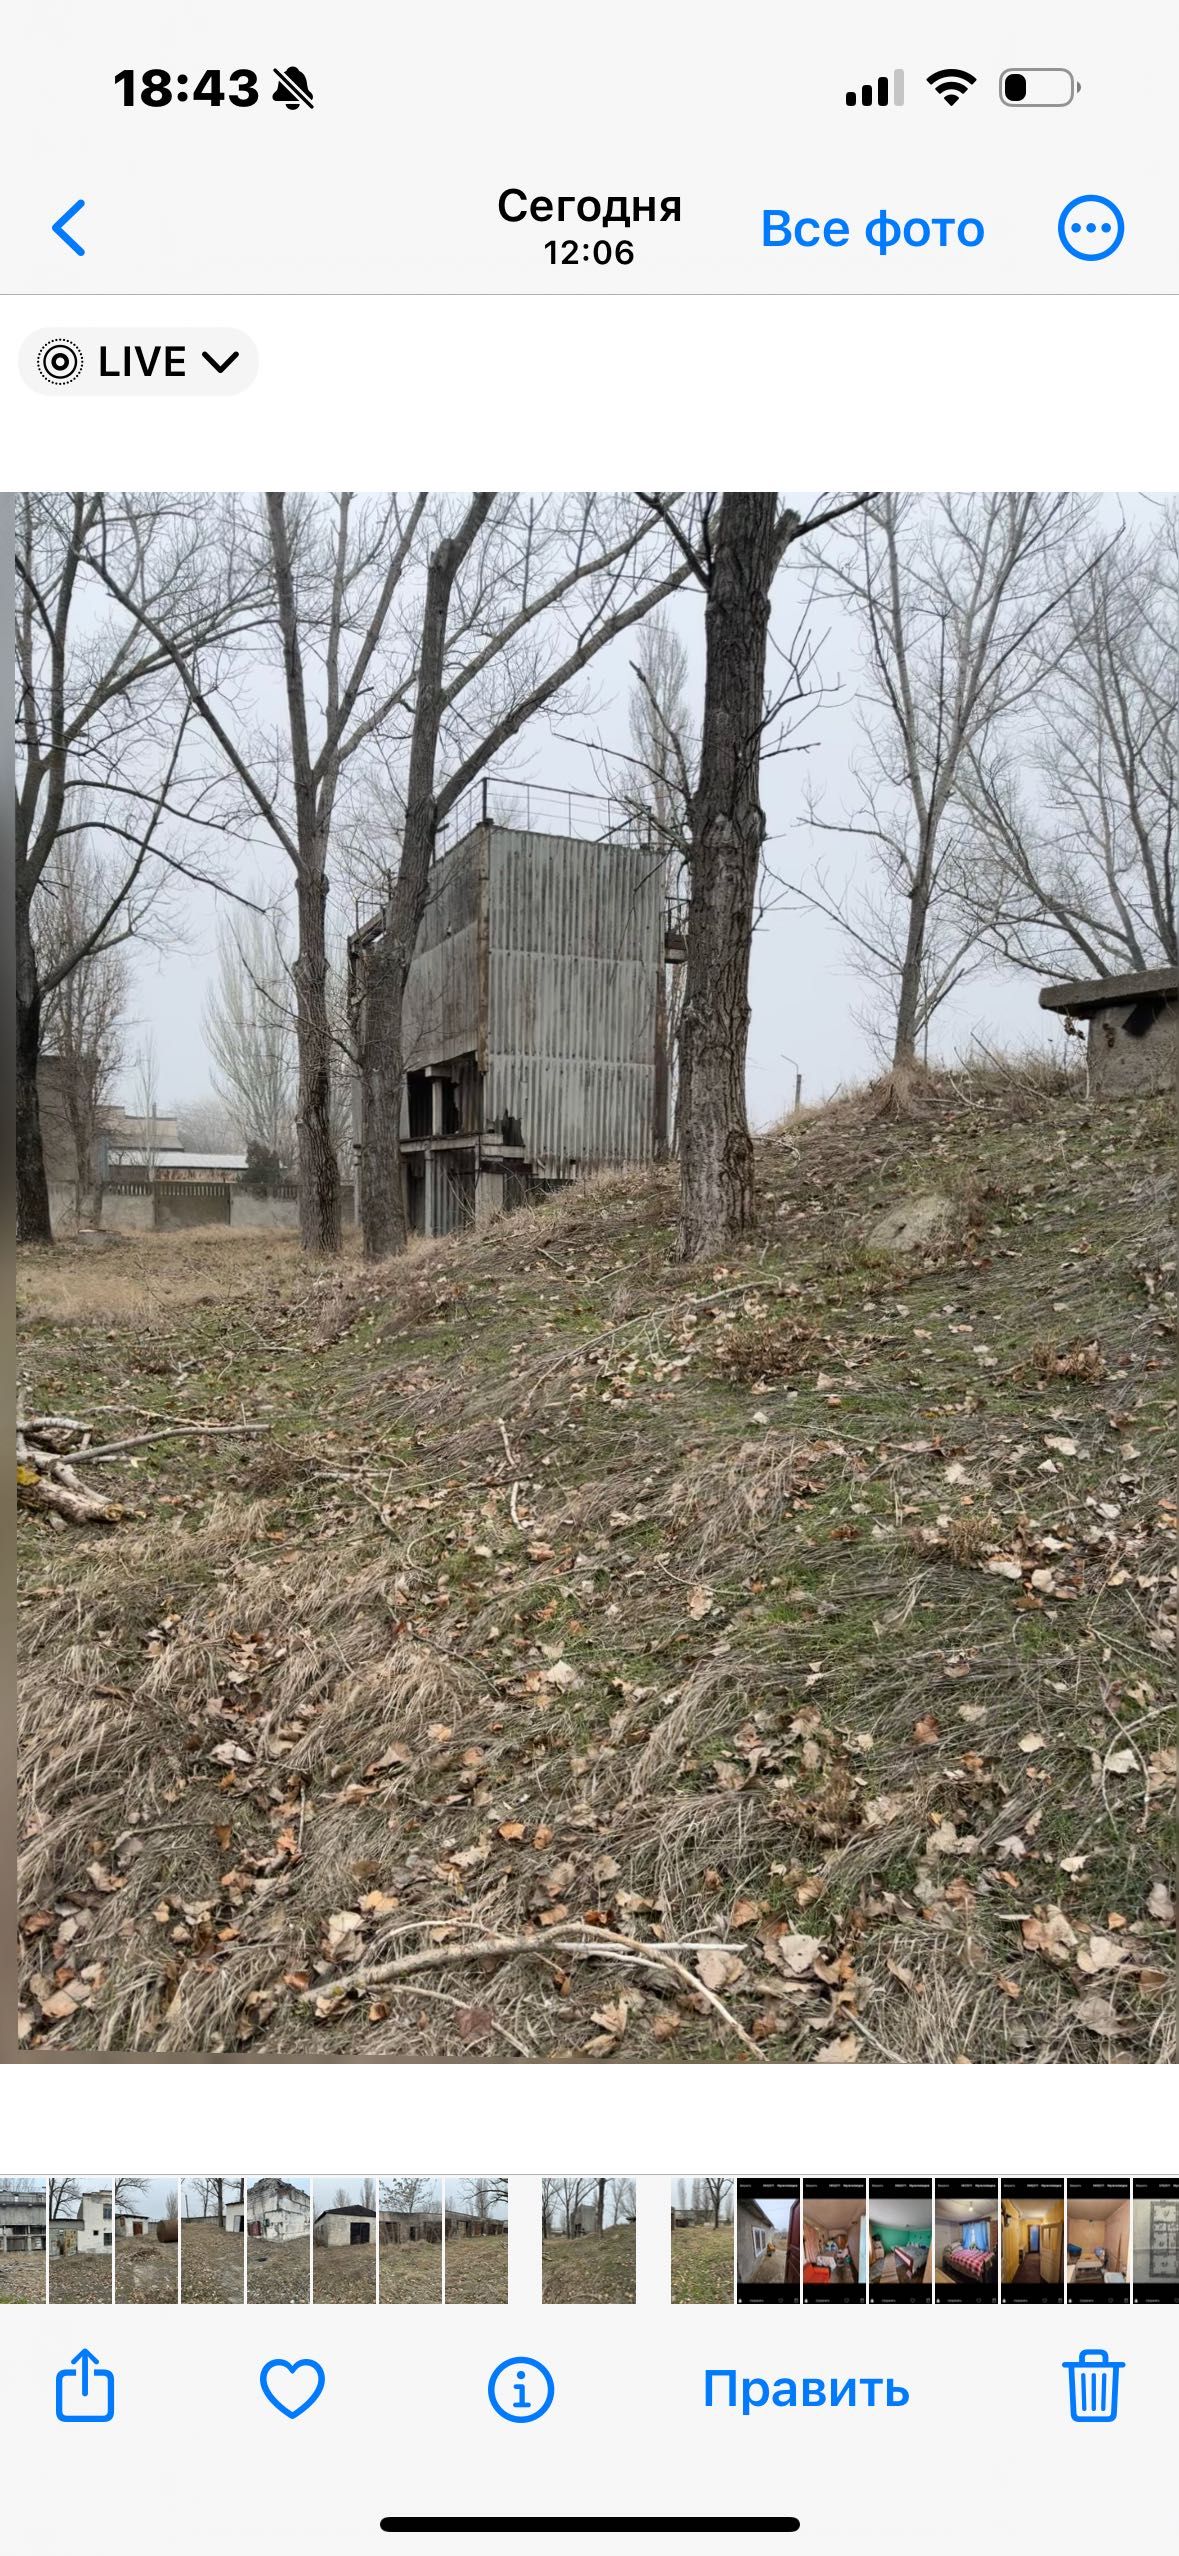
(774, 1652)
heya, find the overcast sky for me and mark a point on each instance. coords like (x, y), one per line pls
(804, 986)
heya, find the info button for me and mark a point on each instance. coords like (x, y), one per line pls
(96, 363)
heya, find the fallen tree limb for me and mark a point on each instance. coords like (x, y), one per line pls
(505, 1947)
(179, 1429)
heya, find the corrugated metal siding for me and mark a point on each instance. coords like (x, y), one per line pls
(574, 935)
(441, 1015)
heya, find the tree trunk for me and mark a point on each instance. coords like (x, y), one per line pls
(728, 830)
(32, 1188)
(379, 1050)
(381, 1044)
(904, 1054)
(319, 1179)
(601, 2205)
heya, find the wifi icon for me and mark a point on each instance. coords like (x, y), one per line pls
(951, 85)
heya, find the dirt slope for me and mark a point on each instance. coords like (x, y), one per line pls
(806, 1608)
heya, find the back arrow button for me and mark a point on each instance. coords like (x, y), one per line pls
(59, 227)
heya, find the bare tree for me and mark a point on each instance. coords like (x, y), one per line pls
(953, 597)
(101, 741)
(563, 2198)
(742, 540)
(717, 2191)
(64, 2195)
(409, 2192)
(325, 575)
(146, 1096)
(206, 1126)
(84, 998)
(520, 597)
(1075, 813)
(658, 784)
(622, 2199)
(127, 2191)
(249, 1027)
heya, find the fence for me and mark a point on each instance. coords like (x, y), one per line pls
(135, 1204)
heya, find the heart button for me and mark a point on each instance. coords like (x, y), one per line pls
(291, 2386)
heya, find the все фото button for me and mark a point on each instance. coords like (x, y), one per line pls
(78, 362)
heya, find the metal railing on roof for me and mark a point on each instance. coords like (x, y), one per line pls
(538, 807)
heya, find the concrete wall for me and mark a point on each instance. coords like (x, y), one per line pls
(1122, 1066)
(249, 1215)
(575, 935)
(125, 1212)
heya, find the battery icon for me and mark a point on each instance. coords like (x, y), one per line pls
(1041, 88)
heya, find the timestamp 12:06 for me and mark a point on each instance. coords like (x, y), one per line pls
(578, 252)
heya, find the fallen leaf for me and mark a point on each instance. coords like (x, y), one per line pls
(1063, 1446)
(613, 2019)
(744, 1912)
(841, 2053)
(700, 1601)
(342, 1926)
(560, 1677)
(1097, 2014)
(1031, 1741)
(928, 1730)
(1049, 1932)
(1160, 1903)
(511, 1828)
(792, 1953)
(719, 1969)
(1101, 1953)
(1122, 1762)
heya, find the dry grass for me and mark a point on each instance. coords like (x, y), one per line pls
(589, 2271)
(22, 2280)
(570, 1593)
(477, 2271)
(702, 2267)
(411, 2275)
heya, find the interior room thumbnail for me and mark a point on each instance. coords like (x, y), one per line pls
(966, 2246)
(900, 2243)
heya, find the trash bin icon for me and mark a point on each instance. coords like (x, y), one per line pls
(1093, 2387)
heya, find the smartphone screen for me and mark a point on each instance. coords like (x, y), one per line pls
(588, 1109)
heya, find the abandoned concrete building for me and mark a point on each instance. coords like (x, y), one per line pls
(345, 2225)
(1133, 1029)
(273, 2209)
(411, 2227)
(534, 1022)
(460, 2223)
(22, 2223)
(90, 2229)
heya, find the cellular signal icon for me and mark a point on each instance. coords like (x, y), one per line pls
(876, 92)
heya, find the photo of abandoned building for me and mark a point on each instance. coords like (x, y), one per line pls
(344, 2241)
(475, 2253)
(702, 2240)
(212, 2240)
(531, 1214)
(22, 2240)
(147, 2243)
(588, 2240)
(412, 2234)
(81, 2228)
(277, 2213)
